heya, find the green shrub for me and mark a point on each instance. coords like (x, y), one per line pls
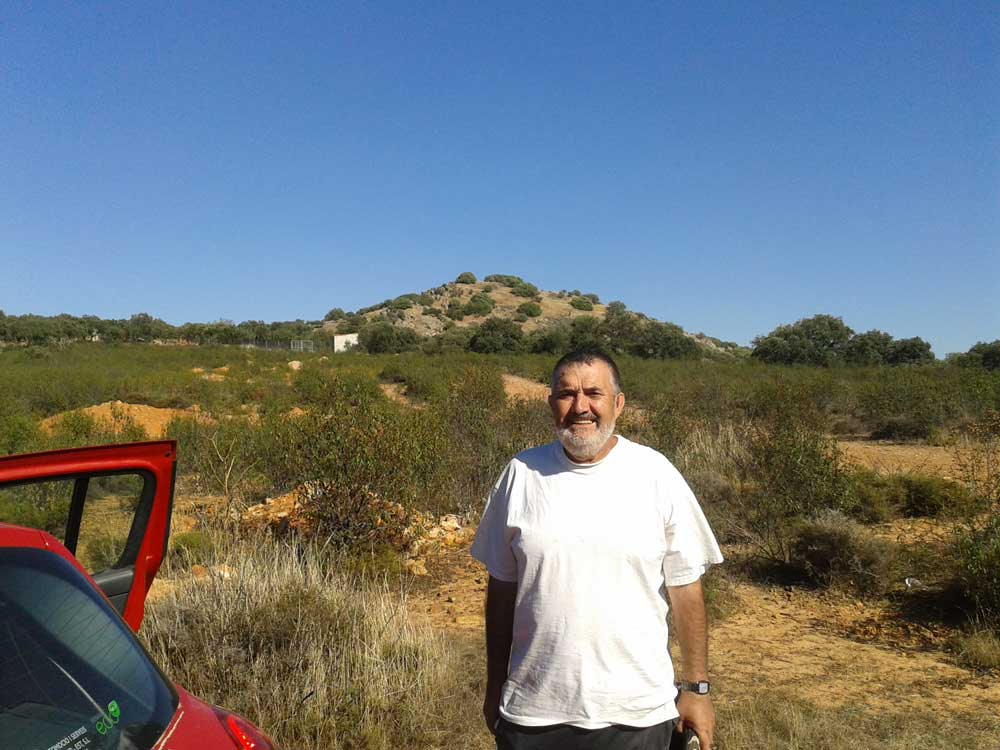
(530, 309)
(478, 304)
(928, 495)
(403, 302)
(520, 318)
(834, 551)
(496, 336)
(592, 297)
(466, 277)
(791, 474)
(505, 279)
(978, 556)
(524, 289)
(192, 548)
(879, 498)
(581, 303)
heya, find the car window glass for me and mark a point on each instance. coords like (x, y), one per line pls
(39, 505)
(107, 519)
(72, 675)
(108, 511)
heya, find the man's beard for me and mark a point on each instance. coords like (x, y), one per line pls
(586, 446)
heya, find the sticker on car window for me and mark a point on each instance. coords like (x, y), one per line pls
(106, 723)
(73, 741)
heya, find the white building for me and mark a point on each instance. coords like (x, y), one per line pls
(343, 342)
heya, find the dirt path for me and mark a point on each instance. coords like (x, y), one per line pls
(827, 649)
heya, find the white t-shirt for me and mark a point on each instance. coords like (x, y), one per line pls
(592, 548)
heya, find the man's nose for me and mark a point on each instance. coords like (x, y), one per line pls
(581, 404)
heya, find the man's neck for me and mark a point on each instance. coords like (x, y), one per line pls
(601, 454)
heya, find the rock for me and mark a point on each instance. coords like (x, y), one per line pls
(295, 365)
(416, 567)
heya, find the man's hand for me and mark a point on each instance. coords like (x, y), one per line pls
(491, 707)
(697, 713)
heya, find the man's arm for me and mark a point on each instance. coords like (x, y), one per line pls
(691, 629)
(500, 597)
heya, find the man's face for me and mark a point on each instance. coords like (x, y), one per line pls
(585, 406)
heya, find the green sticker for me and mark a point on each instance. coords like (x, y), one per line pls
(108, 721)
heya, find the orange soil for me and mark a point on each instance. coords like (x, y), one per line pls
(152, 419)
(894, 458)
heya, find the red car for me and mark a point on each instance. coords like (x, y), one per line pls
(72, 673)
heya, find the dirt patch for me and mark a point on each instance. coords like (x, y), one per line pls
(896, 458)
(519, 388)
(152, 419)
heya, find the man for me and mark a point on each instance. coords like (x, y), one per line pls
(586, 540)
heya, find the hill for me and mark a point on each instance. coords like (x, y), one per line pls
(467, 303)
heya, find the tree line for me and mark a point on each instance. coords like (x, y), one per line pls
(822, 340)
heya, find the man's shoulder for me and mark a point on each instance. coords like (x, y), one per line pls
(535, 458)
(644, 454)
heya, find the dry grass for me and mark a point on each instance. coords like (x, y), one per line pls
(777, 720)
(317, 659)
(979, 650)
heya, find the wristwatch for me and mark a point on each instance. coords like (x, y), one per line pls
(701, 687)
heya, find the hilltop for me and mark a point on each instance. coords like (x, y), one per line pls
(467, 303)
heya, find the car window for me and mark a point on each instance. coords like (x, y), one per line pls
(72, 675)
(108, 511)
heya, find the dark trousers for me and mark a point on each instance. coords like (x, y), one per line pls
(564, 737)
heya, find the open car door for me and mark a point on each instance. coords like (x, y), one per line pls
(110, 507)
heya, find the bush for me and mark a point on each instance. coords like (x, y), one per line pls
(466, 277)
(496, 336)
(478, 304)
(524, 289)
(879, 498)
(385, 338)
(835, 552)
(353, 518)
(927, 495)
(580, 303)
(791, 474)
(505, 279)
(979, 569)
(593, 298)
(530, 309)
(192, 548)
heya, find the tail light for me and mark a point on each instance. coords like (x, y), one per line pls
(247, 736)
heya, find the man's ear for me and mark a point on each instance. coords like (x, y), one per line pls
(619, 403)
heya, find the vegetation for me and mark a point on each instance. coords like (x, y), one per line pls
(466, 277)
(581, 303)
(825, 340)
(755, 442)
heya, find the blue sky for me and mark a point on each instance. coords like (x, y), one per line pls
(727, 167)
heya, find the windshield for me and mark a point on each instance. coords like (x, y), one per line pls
(72, 675)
